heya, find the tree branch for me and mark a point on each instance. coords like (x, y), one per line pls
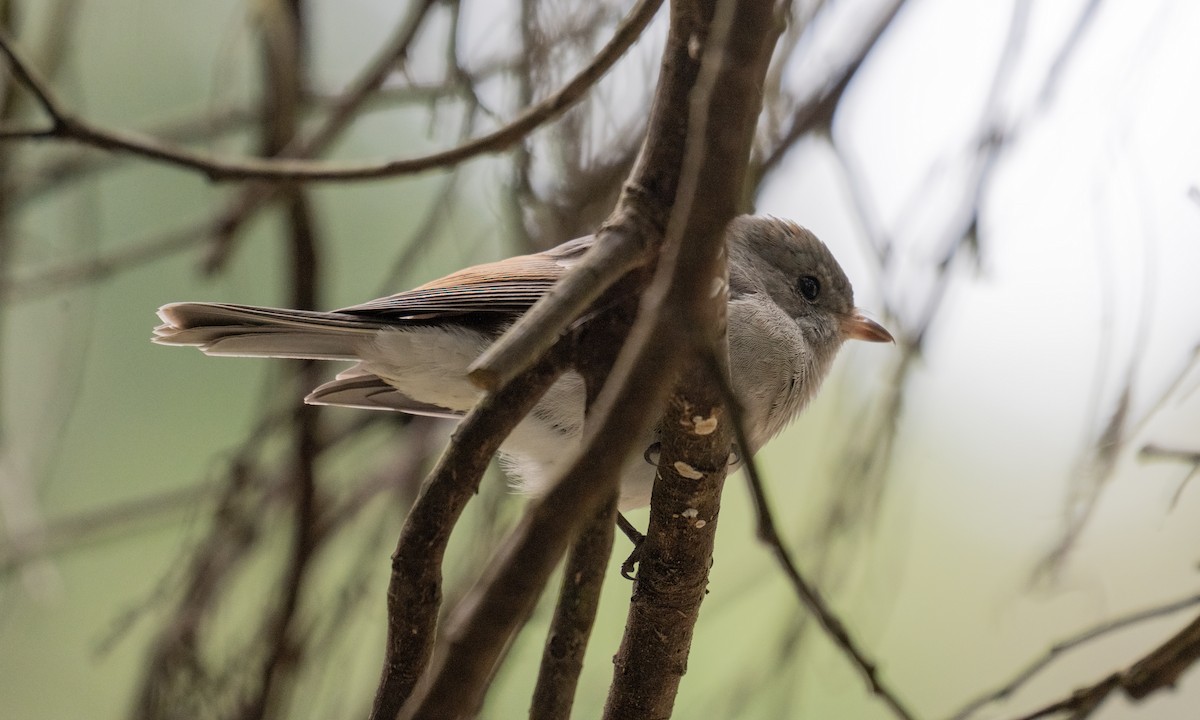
(676, 555)
(486, 620)
(1157, 670)
(1059, 648)
(68, 127)
(483, 624)
(415, 589)
(816, 112)
(833, 626)
(579, 597)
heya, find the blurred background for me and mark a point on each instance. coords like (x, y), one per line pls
(1011, 186)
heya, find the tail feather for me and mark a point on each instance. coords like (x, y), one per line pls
(249, 331)
(370, 392)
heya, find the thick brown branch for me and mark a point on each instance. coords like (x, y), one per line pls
(578, 599)
(675, 558)
(415, 590)
(488, 618)
(68, 127)
(485, 621)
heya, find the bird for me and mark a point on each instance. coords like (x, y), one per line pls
(790, 309)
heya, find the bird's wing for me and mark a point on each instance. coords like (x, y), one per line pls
(506, 287)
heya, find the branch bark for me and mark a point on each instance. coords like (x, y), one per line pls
(487, 619)
(415, 589)
(579, 598)
(676, 555)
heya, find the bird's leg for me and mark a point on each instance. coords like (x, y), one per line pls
(637, 539)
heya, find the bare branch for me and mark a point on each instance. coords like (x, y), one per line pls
(1064, 646)
(33, 81)
(485, 621)
(415, 589)
(578, 600)
(816, 112)
(539, 328)
(482, 625)
(676, 555)
(833, 626)
(66, 126)
(1157, 670)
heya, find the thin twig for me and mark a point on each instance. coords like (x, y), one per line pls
(539, 328)
(281, 27)
(816, 112)
(27, 76)
(1081, 703)
(65, 277)
(834, 628)
(209, 125)
(66, 126)
(1063, 646)
(1158, 669)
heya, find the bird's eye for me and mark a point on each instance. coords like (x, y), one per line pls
(809, 287)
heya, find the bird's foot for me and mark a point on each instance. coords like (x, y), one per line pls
(635, 537)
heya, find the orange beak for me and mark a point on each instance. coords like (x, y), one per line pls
(856, 326)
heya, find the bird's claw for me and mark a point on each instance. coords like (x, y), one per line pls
(635, 556)
(635, 537)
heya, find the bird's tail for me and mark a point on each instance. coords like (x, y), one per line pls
(249, 331)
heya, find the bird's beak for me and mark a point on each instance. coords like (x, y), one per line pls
(859, 327)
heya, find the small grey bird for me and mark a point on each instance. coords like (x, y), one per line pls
(790, 309)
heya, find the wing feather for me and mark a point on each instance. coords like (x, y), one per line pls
(505, 287)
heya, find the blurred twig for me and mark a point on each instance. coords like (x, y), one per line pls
(78, 530)
(71, 275)
(284, 47)
(1118, 432)
(64, 125)
(1068, 645)
(833, 626)
(344, 109)
(1064, 646)
(1158, 669)
(815, 112)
